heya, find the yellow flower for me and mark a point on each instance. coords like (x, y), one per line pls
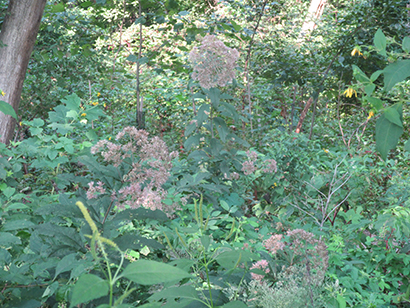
(105, 105)
(356, 51)
(326, 151)
(94, 103)
(371, 113)
(98, 94)
(2, 93)
(83, 114)
(349, 92)
(109, 138)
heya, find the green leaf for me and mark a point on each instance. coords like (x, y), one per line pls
(57, 8)
(359, 75)
(147, 272)
(191, 141)
(341, 301)
(222, 128)
(375, 75)
(380, 42)
(387, 133)
(188, 292)
(393, 116)
(377, 103)
(407, 145)
(406, 44)
(7, 109)
(396, 72)
(87, 288)
(235, 304)
(7, 238)
(236, 26)
(8, 192)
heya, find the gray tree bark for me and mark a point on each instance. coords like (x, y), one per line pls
(17, 37)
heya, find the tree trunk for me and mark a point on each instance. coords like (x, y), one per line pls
(17, 37)
(315, 12)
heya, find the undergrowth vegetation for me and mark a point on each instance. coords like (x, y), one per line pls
(210, 154)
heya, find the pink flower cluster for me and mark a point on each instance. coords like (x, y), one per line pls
(150, 164)
(262, 265)
(213, 62)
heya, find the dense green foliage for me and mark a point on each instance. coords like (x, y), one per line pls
(207, 197)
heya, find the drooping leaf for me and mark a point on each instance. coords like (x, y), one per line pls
(87, 288)
(222, 128)
(396, 72)
(147, 272)
(387, 133)
(380, 42)
(406, 44)
(393, 116)
(7, 109)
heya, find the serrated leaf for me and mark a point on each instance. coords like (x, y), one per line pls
(396, 72)
(87, 288)
(7, 109)
(380, 42)
(191, 141)
(406, 44)
(387, 133)
(147, 272)
(222, 128)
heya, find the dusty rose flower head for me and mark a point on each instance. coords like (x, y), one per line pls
(150, 163)
(248, 167)
(213, 62)
(270, 166)
(262, 265)
(274, 243)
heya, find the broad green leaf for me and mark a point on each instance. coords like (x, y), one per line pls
(235, 304)
(188, 292)
(72, 101)
(132, 58)
(140, 20)
(205, 240)
(9, 191)
(377, 103)
(380, 42)
(393, 116)
(7, 238)
(57, 8)
(17, 225)
(341, 301)
(191, 141)
(396, 72)
(214, 95)
(407, 145)
(231, 259)
(387, 133)
(222, 128)
(7, 109)
(87, 288)
(189, 129)
(406, 44)
(66, 264)
(236, 26)
(368, 89)
(147, 272)
(376, 75)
